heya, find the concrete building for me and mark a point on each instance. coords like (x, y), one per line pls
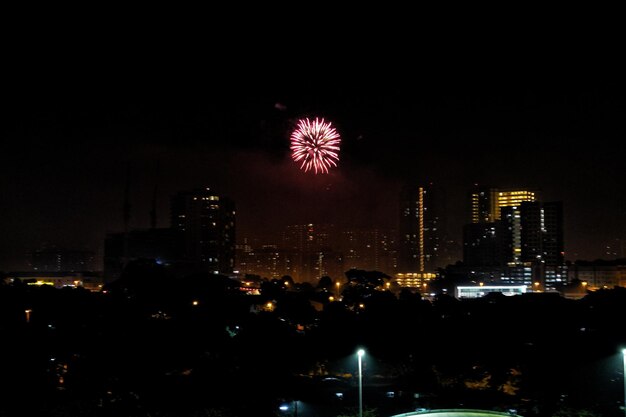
(419, 234)
(207, 222)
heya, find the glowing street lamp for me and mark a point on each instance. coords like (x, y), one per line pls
(360, 354)
(624, 355)
(286, 407)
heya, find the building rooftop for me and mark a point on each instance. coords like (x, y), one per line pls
(456, 413)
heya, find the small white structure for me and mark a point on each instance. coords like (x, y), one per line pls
(458, 413)
(477, 291)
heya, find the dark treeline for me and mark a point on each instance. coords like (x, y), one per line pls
(153, 346)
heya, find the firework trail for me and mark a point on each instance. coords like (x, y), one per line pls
(315, 144)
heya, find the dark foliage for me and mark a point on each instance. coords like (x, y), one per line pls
(198, 346)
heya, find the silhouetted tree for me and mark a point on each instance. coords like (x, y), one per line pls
(325, 283)
(362, 284)
(287, 281)
(272, 290)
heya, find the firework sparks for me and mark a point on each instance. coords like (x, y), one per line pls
(315, 144)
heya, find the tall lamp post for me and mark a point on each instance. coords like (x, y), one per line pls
(360, 354)
(624, 355)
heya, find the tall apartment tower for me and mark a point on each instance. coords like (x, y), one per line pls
(534, 232)
(486, 203)
(483, 244)
(53, 259)
(534, 237)
(207, 221)
(511, 230)
(542, 232)
(511, 218)
(309, 248)
(418, 241)
(369, 249)
(481, 210)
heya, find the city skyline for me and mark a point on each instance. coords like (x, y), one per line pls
(64, 184)
(228, 280)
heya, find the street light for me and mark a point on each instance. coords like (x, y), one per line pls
(360, 354)
(285, 407)
(624, 355)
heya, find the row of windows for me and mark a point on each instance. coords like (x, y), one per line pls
(211, 198)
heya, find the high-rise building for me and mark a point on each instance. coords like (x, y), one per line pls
(533, 234)
(482, 244)
(53, 259)
(518, 235)
(418, 241)
(268, 261)
(310, 251)
(368, 249)
(164, 246)
(486, 203)
(207, 221)
(543, 243)
(511, 218)
(511, 198)
(387, 252)
(553, 233)
(481, 210)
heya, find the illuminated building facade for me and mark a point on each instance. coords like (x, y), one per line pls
(201, 238)
(543, 242)
(552, 232)
(90, 280)
(267, 261)
(481, 210)
(476, 291)
(522, 237)
(512, 221)
(415, 280)
(419, 234)
(534, 232)
(367, 249)
(307, 252)
(599, 274)
(310, 252)
(207, 222)
(510, 198)
(486, 203)
(521, 273)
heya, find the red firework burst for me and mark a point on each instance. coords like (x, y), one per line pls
(315, 144)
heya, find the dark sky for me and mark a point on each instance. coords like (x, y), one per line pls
(70, 133)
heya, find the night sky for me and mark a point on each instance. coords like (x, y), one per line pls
(69, 136)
